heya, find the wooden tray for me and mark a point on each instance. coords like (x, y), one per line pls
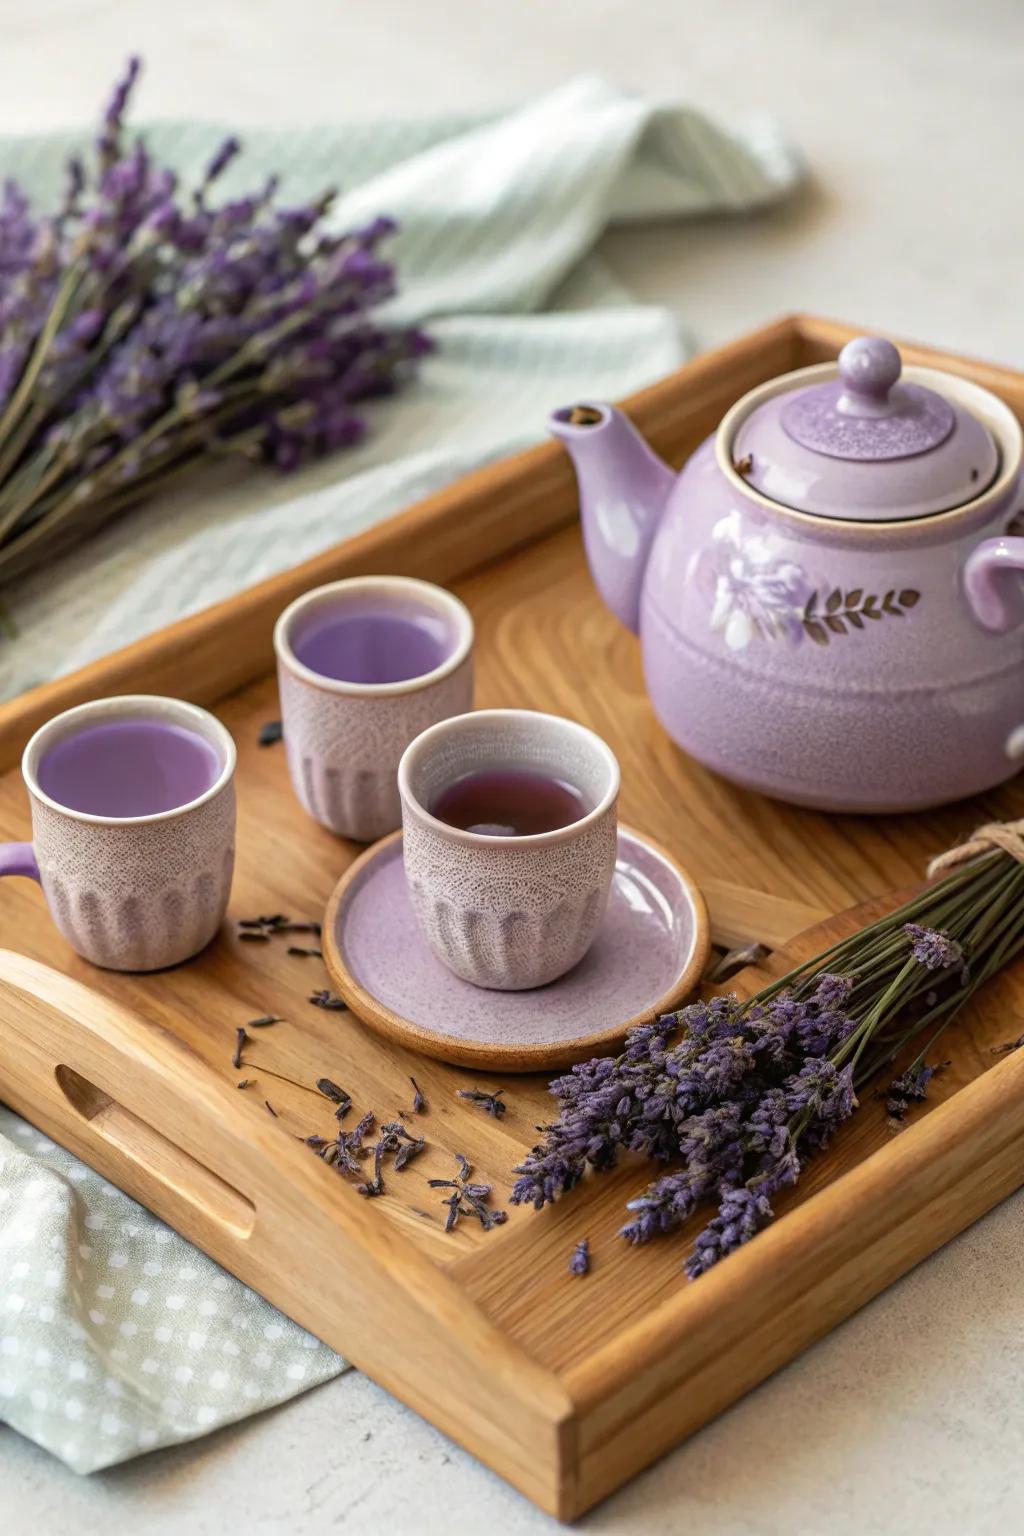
(565, 1386)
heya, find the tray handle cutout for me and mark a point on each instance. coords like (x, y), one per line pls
(156, 1155)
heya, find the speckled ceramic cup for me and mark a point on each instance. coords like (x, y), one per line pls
(364, 666)
(509, 912)
(133, 828)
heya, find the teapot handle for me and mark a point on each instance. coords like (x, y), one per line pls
(994, 588)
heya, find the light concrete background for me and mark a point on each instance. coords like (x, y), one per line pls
(911, 116)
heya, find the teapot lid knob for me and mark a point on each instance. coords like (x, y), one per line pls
(866, 413)
(864, 442)
(869, 366)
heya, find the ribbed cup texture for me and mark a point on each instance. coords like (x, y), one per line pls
(138, 897)
(512, 916)
(343, 748)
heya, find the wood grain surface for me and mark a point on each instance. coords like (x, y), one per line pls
(565, 1386)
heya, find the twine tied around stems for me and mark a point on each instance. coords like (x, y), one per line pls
(1007, 835)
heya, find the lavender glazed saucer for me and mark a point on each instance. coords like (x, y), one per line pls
(649, 953)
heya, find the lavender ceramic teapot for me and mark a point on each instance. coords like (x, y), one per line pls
(829, 595)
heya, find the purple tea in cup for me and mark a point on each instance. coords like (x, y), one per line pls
(133, 828)
(364, 665)
(129, 767)
(367, 643)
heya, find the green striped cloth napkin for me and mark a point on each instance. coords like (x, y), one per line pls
(499, 217)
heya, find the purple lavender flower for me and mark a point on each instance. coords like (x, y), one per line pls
(935, 949)
(743, 1213)
(222, 159)
(579, 1263)
(669, 1203)
(911, 1087)
(109, 140)
(181, 327)
(766, 1129)
(823, 1089)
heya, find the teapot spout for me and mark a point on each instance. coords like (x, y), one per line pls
(623, 490)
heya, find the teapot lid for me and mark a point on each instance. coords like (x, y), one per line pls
(865, 446)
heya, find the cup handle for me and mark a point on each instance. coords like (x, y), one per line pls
(18, 859)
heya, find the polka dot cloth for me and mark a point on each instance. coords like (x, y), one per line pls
(117, 1336)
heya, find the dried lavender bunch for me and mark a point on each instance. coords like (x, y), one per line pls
(739, 1094)
(144, 325)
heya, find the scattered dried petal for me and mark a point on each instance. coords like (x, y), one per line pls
(467, 1199)
(490, 1103)
(579, 1263)
(328, 1000)
(334, 1093)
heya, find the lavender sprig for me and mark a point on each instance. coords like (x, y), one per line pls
(738, 1095)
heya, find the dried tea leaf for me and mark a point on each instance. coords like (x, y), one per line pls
(328, 1000)
(331, 1091)
(490, 1103)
